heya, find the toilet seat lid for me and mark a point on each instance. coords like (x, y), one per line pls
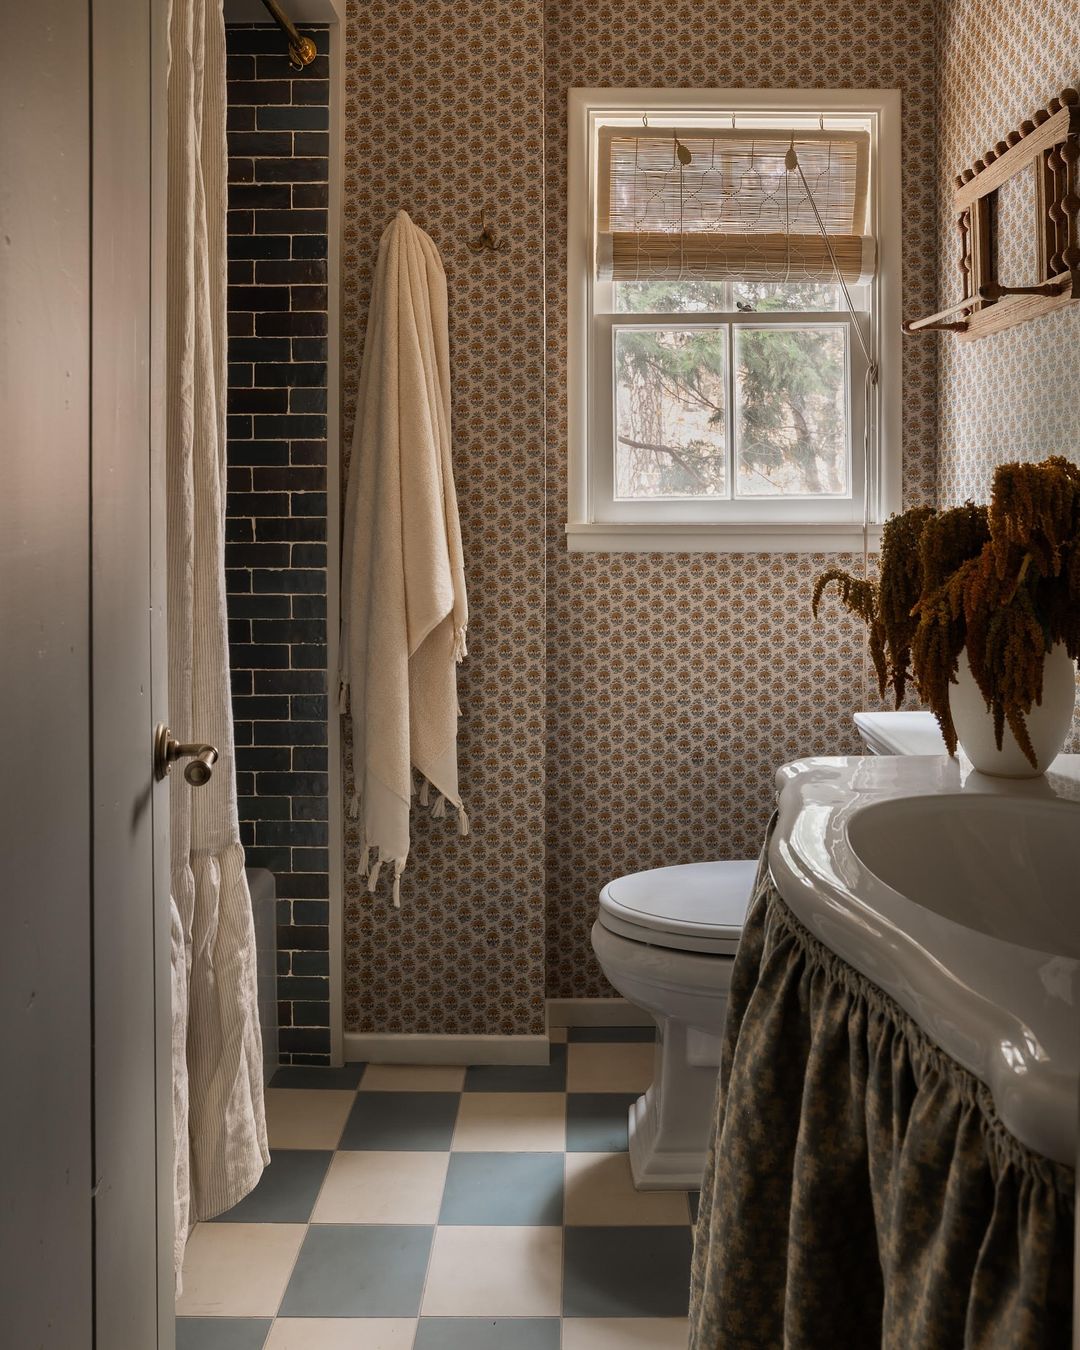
(693, 906)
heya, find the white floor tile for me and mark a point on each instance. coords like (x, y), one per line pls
(306, 1117)
(375, 1187)
(412, 1078)
(238, 1269)
(511, 1122)
(624, 1333)
(609, 1067)
(494, 1272)
(600, 1190)
(341, 1333)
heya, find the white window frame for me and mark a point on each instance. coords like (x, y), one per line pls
(597, 523)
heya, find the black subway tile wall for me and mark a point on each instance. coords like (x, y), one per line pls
(276, 508)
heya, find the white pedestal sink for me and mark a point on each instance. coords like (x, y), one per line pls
(1006, 867)
(959, 896)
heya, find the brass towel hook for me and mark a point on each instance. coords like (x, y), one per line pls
(487, 241)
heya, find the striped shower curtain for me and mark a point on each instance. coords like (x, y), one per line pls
(219, 1121)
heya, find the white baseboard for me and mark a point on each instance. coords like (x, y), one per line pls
(420, 1048)
(385, 1047)
(595, 1012)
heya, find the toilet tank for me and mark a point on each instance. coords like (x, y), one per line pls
(900, 733)
(263, 891)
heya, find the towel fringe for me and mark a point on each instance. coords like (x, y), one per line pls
(369, 866)
(461, 651)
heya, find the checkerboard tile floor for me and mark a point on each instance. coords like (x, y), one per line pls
(434, 1208)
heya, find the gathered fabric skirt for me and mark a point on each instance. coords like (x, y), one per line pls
(861, 1190)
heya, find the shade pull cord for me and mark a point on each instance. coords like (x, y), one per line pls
(791, 163)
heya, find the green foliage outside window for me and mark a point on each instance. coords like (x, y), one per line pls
(790, 432)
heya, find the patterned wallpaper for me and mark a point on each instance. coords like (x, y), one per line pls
(1015, 395)
(621, 711)
(677, 683)
(443, 116)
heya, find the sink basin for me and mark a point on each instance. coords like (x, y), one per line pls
(958, 896)
(1006, 867)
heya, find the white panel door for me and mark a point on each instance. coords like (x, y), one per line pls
(132, 1079)
(85, 1124)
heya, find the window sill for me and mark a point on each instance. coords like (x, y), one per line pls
(709, 537)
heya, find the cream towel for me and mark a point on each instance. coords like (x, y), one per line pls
(404, 611)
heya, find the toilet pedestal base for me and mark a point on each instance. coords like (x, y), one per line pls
(670, 1123)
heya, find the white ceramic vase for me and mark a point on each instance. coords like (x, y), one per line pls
(1048, 722)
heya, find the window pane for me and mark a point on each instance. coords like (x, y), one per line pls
(764, 297)
(671, 297)
(791, 433)
(670, 413)
(691, 296)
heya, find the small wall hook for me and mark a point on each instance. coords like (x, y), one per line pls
(487, 241)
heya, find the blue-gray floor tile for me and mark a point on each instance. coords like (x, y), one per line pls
(287, 1190)
(597, 1122)
(301, 1076)
(503, 1188)
(626, 1272)
(221, 1333)
(358, 1270)
(549, 1077)
(486, 1333)
(401, 1121)
(603, 1035)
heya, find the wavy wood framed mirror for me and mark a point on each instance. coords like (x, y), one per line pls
(1018, 213)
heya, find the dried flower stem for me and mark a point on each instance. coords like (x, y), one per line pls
(1001, 582)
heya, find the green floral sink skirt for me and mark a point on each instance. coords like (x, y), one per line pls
(860, 1189)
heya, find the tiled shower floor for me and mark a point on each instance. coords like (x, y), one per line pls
(448, 1209)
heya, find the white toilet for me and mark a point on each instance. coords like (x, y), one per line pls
(666, 940)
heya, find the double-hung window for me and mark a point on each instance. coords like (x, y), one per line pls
(733, 277)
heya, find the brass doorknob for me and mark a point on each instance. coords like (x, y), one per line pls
(166, 750)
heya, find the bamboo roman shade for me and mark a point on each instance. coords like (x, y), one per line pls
(731, 210)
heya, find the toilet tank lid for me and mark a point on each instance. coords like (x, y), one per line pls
(694, 899)
(900, 733)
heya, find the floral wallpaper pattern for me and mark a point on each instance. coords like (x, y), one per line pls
(678, 683)
(1015, 395)
(444, 116)
(628, 711)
